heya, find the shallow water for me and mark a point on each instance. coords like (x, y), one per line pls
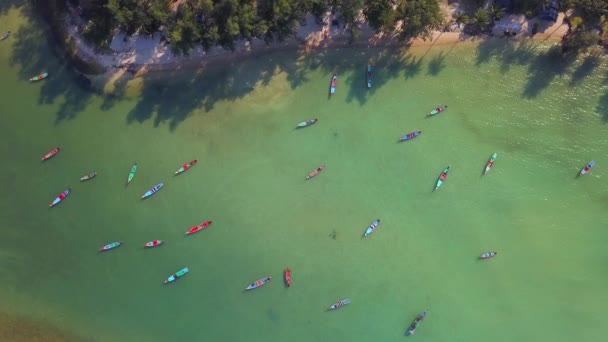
(544, 116)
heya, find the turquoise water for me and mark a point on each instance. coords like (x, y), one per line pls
(545, 117)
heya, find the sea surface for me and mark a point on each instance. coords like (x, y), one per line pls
(545, 115)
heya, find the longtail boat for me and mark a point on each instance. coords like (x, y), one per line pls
(442, 178)
(288, 277)
(132, 174)
(89, 176)
(410, 136)
(306, 123)
(488, 255)
(371, 228)
(199, 227)
(110, 246)
(339, 304)
(50, 154)
(490, 163)
(412, 329)
(5, 35)
(587, 168)
(186, 167)
(177, 275)
(334, 83)
(152, 190)
(258, 283)
(315, 172)
(369, 76)
(153, 243)
(39, 77)
(438, 110)
(60, 197)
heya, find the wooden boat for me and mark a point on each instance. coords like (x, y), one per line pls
(442, 178)
(334, 83)
(288, 277)
(50, 154)
(369, 76)
(412, 329)
(258, 283)
(371, 228)
(306, 123)
(132, 173)
(89, 176)
(488, 255)
(60, 197)
(152, 190)
(587, 168)
(153, 243)
(490, 163)
(410, 136)
(339, 304)
(5, 35)
(177, 275)
(438, 110)
(186, 167)
(110, 246)
(315, 172)
(39, 77)
(199, 227)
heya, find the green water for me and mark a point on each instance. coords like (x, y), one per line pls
(544, 116)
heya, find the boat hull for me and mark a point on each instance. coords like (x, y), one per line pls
(587, 168)
(154, 243)
(306, 123)
(490, 163)
(339, 304)
(50, 154)
(410, 136)
(39, 77)
(288, 277)
(369, 76)
(438, 110)
(442, 177)
(488, 255)
(186, 167)
(258, 283)
(177, 275)
(334, 84)
(60, 198)
(152, 191)
(198, 228)
(412, 329)
(132, 173)
(110, 246)
(371, 228)
(315, 172)
(89, 176)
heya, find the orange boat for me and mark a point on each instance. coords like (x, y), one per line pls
(288, 277)
(315, 172)
(50, 154)
(198, 228)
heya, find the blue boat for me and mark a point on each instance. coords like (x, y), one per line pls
(153, 190)
(178, 274)
(369, 76)
(410, 136)
(371, 228)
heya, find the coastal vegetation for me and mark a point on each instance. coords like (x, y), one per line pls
(187, 23)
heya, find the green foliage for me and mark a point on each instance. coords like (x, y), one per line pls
(460, 18)
(481, 19)
(496, 13)
(380, 15)
(419, 18)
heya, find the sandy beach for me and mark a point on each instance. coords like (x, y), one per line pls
(132, 56)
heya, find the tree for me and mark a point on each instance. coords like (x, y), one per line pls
(496, 13)
(460, 18)
(380, 15)
(481, 20)
(419, 18)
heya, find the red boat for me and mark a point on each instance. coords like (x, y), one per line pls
(288, 277)
(198, 228)
(60, 198)
(186, 167)
(51, 153)
(153, 243)
(315, 172)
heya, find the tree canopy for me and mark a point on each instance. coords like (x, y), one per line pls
(188, 23)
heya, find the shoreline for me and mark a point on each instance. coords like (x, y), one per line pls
(134, 56)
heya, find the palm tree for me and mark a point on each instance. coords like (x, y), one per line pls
(496, 13)
(460, 18)
(480, 18)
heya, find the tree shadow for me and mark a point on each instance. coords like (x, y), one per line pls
(6, 5)
(437, 64)
(410, 65)
(33, 55)
(585, 69)
(543, 69)
(602, 105)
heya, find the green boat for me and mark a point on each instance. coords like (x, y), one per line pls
(442, 178)
(132, 174)
(438, 110)
(490, 163)
(39, 77)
